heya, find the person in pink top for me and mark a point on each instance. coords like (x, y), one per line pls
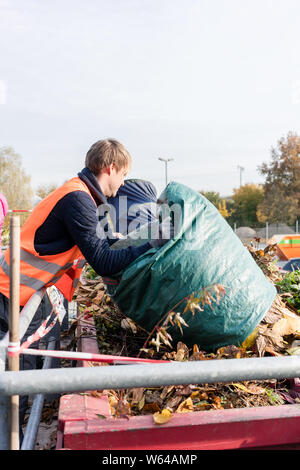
(3, 212)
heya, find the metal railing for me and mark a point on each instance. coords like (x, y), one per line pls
(265, 231)
(32, 427)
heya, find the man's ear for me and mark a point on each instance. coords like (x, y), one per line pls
(108, 169)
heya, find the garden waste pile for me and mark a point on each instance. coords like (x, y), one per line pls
(278, 333)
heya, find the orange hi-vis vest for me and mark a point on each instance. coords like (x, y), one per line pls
(37, 271)
(69, 281)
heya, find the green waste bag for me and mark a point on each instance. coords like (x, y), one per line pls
(204, 251)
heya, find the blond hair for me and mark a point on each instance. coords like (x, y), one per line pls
(104, 152)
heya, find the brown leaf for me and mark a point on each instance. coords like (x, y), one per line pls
(151, 407)
(217, 403)
(169, 356)
(180, 355)
(183, 390)
(183, 347)
(141, 403)
(261, 342)
(232, 352)
(128, 324)
(289, 324)
(186, 406)
(97, 393)
(137, 395)
(166, 391)
(163, 417)
(256, 389)
(153, 396)
(253, 389)
(173, 402)
(199, 356)
(122, 408)
(202, 405)
(99, 297)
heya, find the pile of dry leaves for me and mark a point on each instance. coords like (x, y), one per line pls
(277, 334)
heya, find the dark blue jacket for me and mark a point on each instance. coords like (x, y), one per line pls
(73, 221)
(139, 203)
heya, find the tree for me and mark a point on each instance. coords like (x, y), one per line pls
(282, 183)
(217, 201)
(223, 209)
(212, 196)
(246, 199)
(277, 208)
(44, 189)
(14, 183)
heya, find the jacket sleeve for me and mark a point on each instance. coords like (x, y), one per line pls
(82, 222)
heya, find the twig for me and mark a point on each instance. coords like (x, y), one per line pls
(160, 321)
(205, 291)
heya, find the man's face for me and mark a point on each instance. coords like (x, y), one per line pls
(116, 179)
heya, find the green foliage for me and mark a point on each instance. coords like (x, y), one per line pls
(277, 207)
(14, 183)
(274, 398)
(291, 284)
(90, 273)
(282, 182)
(220, 203)
(241, 207)
(246, 200)
(212, 196)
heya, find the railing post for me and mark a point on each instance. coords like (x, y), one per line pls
(4, 402)
(36, 410)
(14, 313)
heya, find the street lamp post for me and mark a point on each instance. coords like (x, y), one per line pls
(241, 169)
(166, 160)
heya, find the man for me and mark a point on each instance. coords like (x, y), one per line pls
(63, 229)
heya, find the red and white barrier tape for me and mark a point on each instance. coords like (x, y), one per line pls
(40, 333)
(19, 210)
(78, 356)
(13, 348)
(58, 309)
(56, 299)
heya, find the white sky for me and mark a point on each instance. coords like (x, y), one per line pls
(212, 83)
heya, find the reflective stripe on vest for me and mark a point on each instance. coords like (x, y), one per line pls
(37, 271)
(35, 284)
(32, 282)
(70, 280)
(41, 264)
